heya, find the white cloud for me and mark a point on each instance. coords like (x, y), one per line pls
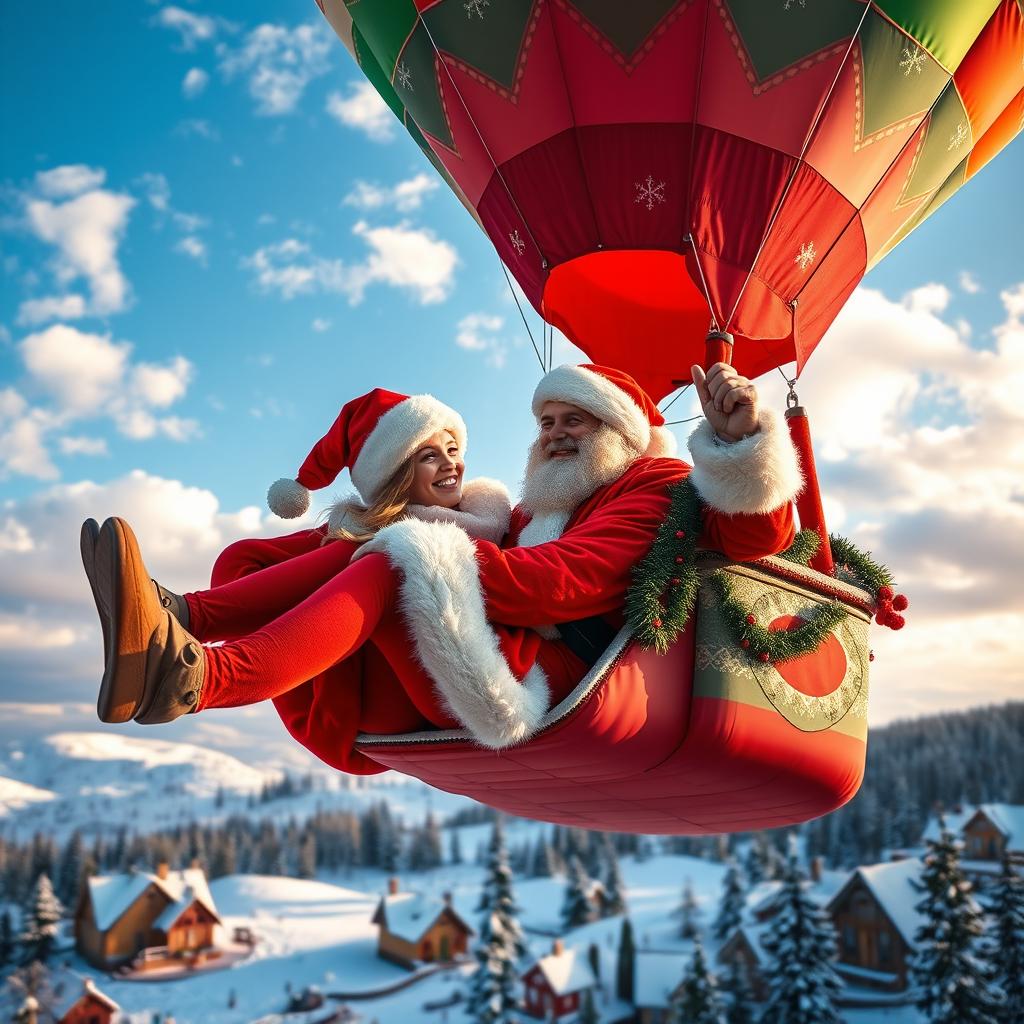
(278, 63)
(321, 324)
(22, 447)
(21, 632)
(197, 126)
(478, 332)
(969, 283)
(69, 180)
(401, 256)
(86, 232)
(405, 196)
(52, 307)
(193, 247)
(191, 28)
(15, 536)
(83, 446)
(194, 83)
(363, 109)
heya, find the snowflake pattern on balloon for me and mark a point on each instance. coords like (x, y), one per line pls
(648, 192)
(959, 137)
(806, 256)
(913, 60)
(517, 243)
(789, 4)
(405, 76)
(476, 7)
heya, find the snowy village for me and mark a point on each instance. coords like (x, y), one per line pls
(286, 899)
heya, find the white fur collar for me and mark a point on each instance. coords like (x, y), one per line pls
(542, 528)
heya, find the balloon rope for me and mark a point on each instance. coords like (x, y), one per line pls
(798, 162)
(536, 351)
(490, 155)
(857, 212)
(679, 394)
(703, 282)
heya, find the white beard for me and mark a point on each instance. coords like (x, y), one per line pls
(554, 488)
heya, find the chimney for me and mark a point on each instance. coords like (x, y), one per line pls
(162, 869)
(817, 866)
(392, 886)
(557, 947)
(447, 897)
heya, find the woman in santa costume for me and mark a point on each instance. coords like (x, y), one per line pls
(596, 493)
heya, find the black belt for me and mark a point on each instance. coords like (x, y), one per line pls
(588, 639)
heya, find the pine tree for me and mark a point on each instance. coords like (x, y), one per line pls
(576, 908)
(614, 901)
(755, 862)
(689, 913)
(588, 1011)
(39, 921)
(6, 938)
(1006, 949)
(730, 909)
(625, 964)
(455, 848)
(307, 856)
(951, 982)
(696, 1000)
(801, 947)
(70, 871)
(543, 863)
(492, 998)
(737, 994)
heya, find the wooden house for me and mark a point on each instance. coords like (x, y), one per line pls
(553, 985)
(143, 917)
(414, 928)
(991, 831)
(656, 976)
(875, 923)
(86, 1005)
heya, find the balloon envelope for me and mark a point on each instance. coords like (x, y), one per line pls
(643, 168)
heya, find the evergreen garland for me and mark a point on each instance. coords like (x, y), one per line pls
(665, 583)
(804, 547)
(861, 567)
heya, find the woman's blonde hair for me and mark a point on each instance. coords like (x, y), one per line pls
(388, 507)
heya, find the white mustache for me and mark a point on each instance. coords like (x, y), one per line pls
(562, 446)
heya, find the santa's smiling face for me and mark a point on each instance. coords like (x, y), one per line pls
(575, 453)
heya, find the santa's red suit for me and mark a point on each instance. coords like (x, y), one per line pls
(473, 608)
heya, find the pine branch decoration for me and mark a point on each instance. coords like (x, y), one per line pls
(804, 547)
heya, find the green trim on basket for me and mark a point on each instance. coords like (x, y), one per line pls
(804, 547)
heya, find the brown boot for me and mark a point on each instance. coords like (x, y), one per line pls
(87, 543)
(154, 667)
(174, 603)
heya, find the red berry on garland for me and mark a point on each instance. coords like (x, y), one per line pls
(896, 621)
(763, 656)
(675, 581)
(871, 655)
(883, 615)
(680, 534)
(656, 623)
(901, 602)
(751, 620)
(680, 559)
(885, 593)
(745, 644)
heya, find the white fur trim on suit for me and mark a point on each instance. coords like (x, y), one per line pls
(598, 396)
(543, 527)
(396, 435)
(484, 511)
(288, 499)
(442, 601)
(663, 444)
(755, 475)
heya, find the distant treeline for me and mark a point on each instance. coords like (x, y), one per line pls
(913, 768)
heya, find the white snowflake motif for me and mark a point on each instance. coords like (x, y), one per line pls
(476, 7)
(517, 243)
(789, 4)
(405, 77)
(913, 60)
(958, 138)
(650, 193)
(806, 256)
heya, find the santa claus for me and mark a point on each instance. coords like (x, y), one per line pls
(500, 632)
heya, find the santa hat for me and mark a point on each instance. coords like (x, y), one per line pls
(372, 436)
(614, 398)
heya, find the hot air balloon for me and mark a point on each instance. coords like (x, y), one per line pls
(647, 172)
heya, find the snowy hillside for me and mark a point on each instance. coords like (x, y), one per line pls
(98, 781)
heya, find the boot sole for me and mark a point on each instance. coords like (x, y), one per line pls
(125, 589)
(87, 544)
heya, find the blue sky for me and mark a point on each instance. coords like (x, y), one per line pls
(227, 256)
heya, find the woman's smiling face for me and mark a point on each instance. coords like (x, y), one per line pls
(437, 472)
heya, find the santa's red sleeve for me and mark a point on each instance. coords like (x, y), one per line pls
(747, 488)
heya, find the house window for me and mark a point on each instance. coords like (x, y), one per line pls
(884, 948)
(849, 939)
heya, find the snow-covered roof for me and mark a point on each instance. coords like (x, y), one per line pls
(1009, 819)
(656, 976)
(112, 895)
(954, 821)
(410, 914)
(566, 972)
(88, 988)
(890, 884)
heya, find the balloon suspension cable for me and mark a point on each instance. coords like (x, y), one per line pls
(689, 419)
(487, 150)
(675, 398)
(797, 163)
(508, 281)
(703, 280)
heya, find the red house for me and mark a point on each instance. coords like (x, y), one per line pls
(553, 986)
(87, 1005)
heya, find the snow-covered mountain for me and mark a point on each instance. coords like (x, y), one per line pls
(99, 781)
